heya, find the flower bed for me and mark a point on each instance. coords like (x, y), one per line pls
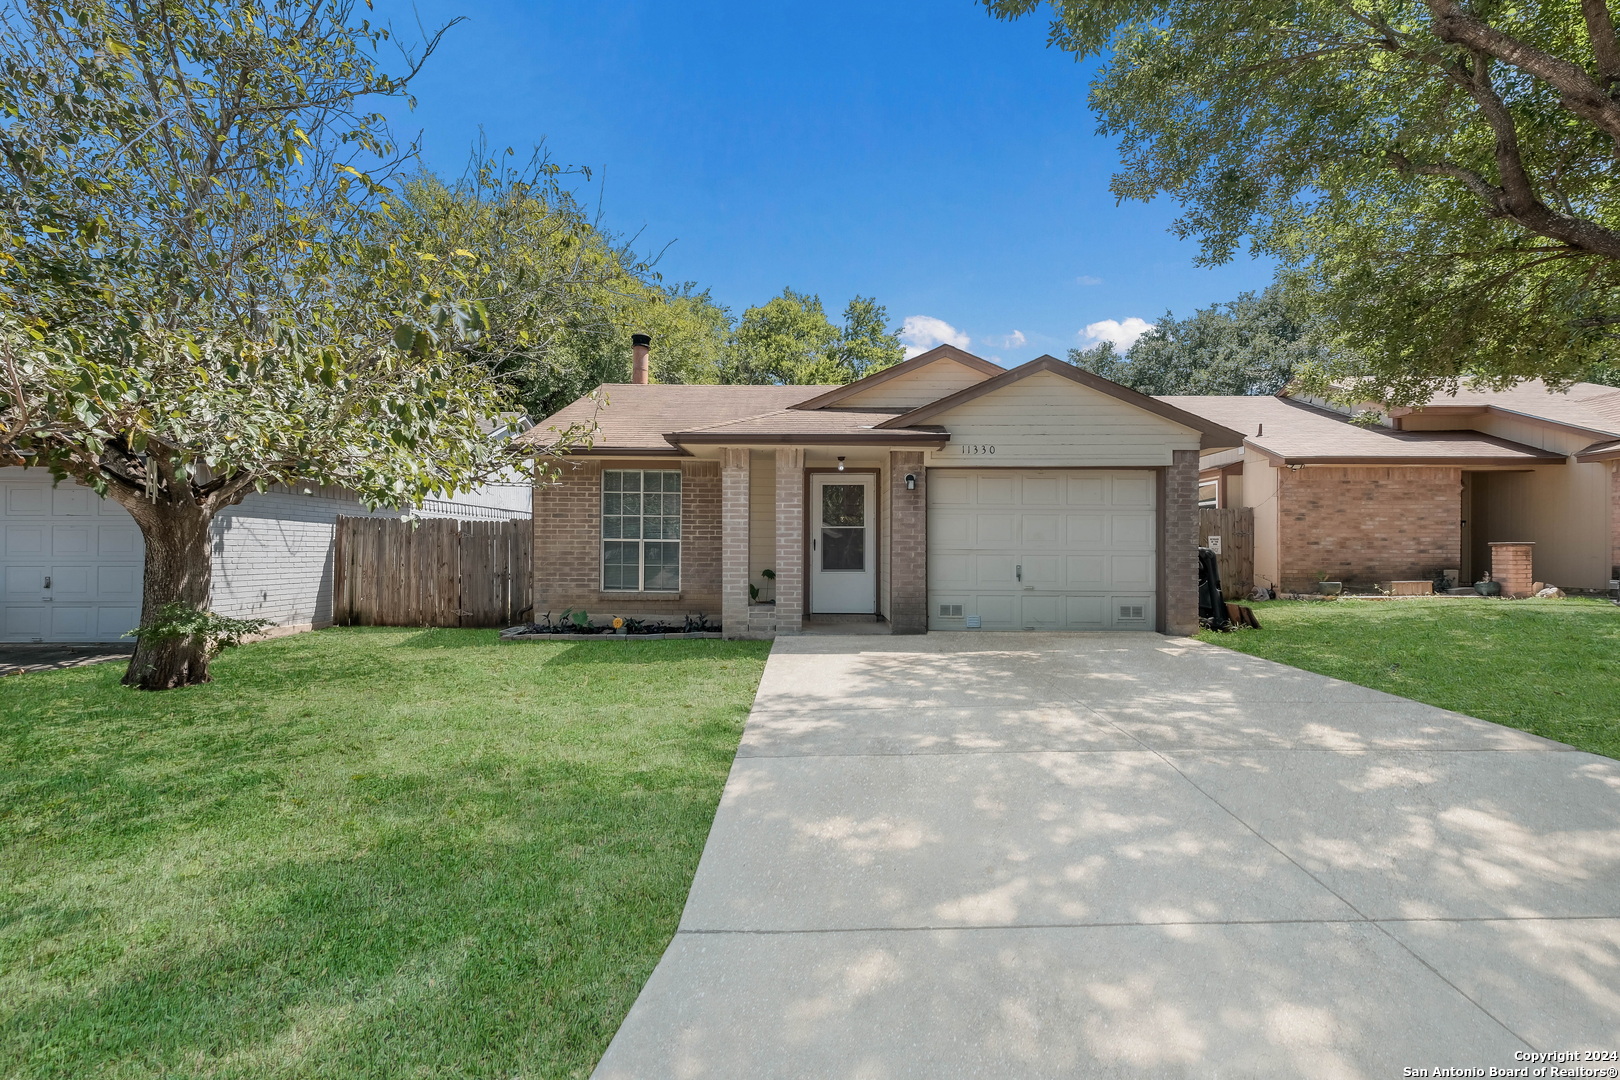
(578, 626)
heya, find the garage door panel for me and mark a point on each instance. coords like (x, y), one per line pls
(1042, 491)
(113, 623)
(1042, 572)
(1085, 572)
(1086, 530)
(951, 571)
(23, 622)
(1087, 491)
(1042, 613)
(1086, 612)
(1131, 530)
(1041, 529)
(70, 540)
(995, 571)
(27, 498)
(70, 500)
(119, 540)
(71, 622)
(71, 582)
(118, 581)
(1133, 489)
(1131, 571)
(997, 491)
(1085, 543)
(946, 489)
(25, 581)
(24, 540)
(993, 530)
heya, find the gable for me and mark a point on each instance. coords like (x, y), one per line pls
(917, 388)
(1050, 420)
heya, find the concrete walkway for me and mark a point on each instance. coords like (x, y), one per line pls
(21, 659)
(979, 855)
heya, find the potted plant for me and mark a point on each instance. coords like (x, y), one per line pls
(1328, 588)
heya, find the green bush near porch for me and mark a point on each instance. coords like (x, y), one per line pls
(1550, 667)
(358, 853)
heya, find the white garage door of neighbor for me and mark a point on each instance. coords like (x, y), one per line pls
(1041, 549)
(71, 563)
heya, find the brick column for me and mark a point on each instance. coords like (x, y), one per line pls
(789, 540)
(908, 544)
(734, 540)
(1178, 544)
(1511, 567)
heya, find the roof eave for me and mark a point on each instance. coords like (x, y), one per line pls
(1387, 462)
(929, 439)
(878, 378)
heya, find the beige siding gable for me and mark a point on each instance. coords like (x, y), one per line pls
(915, 389)
(1048, 420)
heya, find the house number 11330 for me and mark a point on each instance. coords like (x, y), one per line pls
(975, 449)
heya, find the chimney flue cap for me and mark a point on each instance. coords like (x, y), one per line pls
(643, 340)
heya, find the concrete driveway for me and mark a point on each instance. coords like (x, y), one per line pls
(980, 855)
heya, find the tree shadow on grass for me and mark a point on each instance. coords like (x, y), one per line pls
(510, 941)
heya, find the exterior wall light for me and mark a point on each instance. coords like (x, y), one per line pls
(840, 462)
(911, 481)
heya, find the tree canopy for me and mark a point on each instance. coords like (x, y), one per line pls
(1251, 345)
(1444, 172)
(789, 339)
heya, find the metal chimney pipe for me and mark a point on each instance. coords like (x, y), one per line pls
(640, 344)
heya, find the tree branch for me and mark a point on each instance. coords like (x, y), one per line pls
(1600, 32)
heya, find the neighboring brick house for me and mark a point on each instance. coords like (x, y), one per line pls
(943, 493)
(1424, 489)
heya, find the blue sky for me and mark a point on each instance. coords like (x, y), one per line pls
(921, 153)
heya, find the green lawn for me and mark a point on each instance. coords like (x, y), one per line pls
(1551, 667)
(358, 853)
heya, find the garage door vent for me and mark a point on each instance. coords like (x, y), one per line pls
(1131, 612)
(950, 611)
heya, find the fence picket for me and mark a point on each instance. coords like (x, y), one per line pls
(432, 572)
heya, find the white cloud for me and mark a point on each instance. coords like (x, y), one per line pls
(1007, 341)
(919, 333)
(1087, 279)
(1122, 334)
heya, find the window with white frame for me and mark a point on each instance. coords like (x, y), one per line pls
(641, 530)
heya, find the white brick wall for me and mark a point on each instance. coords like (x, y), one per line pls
(273, 555)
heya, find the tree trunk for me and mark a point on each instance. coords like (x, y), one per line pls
(179, 570)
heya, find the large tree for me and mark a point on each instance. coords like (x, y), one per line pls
(561, 294)
(187, 319)
(789, 339)
(1251, 345)
(1445, 170)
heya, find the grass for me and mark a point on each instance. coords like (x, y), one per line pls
(358, 853)
(1551, 667)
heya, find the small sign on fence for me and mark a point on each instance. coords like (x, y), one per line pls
(1214, 544)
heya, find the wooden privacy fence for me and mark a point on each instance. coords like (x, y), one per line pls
(1235, 527)
(432, 572)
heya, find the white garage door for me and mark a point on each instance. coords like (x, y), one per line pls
(71, 562)
(1033, 549)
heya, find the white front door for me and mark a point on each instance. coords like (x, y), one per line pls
(843, 545)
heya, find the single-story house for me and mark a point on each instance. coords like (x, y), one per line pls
(1422, 489)
(72, 563)
(944, 493)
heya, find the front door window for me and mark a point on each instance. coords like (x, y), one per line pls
(843, 527)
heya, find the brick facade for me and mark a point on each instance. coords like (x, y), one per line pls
(1178, 544)
(568, 544)
(1513, 567)
(1366, 525)
(734, 540)
(1614, 518)
(908, 544)
(789, 540)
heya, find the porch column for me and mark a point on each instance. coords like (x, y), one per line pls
(734, 540)
(908, 544)
(789, 540)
